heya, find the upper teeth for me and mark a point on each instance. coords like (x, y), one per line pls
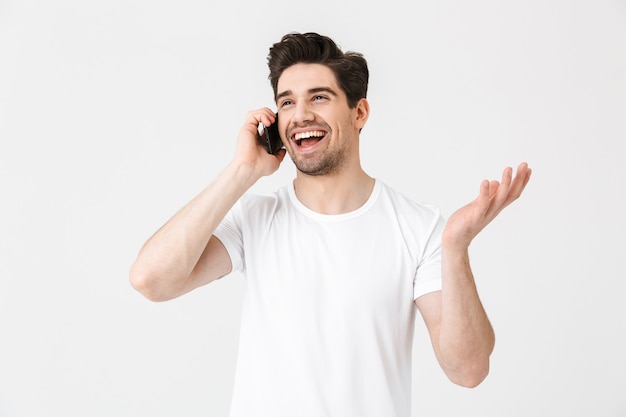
(306, 135)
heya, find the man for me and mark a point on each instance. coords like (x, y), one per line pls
(336, 263)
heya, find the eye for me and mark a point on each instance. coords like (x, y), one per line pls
(285, 103)
(319, 98)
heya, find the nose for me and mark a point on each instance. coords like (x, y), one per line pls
(302, 113)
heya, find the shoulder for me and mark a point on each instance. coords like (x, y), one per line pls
(404, 205)
(280, 195)
(418, 224)
(252, 205)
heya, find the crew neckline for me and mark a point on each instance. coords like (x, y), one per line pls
(334, 217)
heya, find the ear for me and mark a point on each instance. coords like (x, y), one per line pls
(362, 113)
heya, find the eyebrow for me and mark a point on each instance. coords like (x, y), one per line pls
(310, 91)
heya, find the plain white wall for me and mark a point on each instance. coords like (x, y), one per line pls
(113, 114)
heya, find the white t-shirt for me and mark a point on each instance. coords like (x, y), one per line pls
(328, 316)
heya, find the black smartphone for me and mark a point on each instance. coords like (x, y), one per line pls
(271, 137)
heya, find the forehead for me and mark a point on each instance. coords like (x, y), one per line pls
(303, 77)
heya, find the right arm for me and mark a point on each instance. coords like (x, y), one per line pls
(183, 254)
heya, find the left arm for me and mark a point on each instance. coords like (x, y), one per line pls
(461, 334)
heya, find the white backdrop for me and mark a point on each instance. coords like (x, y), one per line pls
(113, 114)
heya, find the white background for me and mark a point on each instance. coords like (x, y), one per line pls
(113, 114)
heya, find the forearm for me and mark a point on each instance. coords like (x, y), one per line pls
(461, 332)
(167, 259)
(466, 338)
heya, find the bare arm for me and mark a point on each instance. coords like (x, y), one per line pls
(184, 254)
(461, 334)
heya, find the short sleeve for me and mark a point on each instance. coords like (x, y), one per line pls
(229, 232)
(428, 276)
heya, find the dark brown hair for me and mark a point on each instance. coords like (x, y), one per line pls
(350, 68)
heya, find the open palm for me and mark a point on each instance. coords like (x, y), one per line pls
(465, 223)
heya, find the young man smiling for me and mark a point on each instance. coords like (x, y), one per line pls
(337, 263)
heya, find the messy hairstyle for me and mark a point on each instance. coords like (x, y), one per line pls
(350, 68)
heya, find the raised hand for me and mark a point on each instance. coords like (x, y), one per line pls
(250, 152)
(465, 223)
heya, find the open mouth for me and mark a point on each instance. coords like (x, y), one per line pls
(307, 139)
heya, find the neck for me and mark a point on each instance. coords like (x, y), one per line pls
(333, 194)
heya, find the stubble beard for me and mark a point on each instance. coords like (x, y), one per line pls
(330, 162)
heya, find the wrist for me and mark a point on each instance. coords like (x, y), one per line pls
(455, 248)
(455, 242)
(243, 173)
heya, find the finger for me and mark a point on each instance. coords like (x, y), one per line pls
(268, 117)
(493, 187)
(500, 198)
(263, 115)
(527, 175)
(530, 171)
(280, 155)
(484, 196)
(519, 183)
